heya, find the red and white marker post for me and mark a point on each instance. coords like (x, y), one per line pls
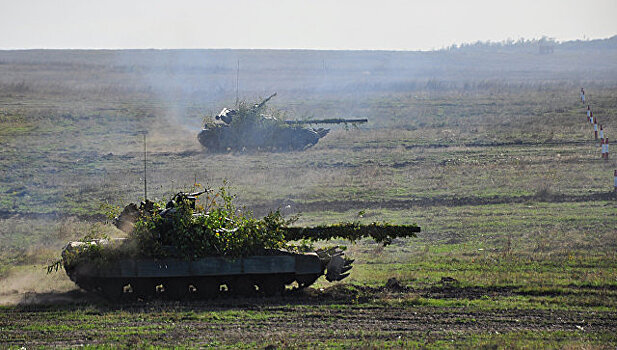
(603, 148)
(595, 131)
(588, 112)
(591, 117)
(601, 132)
(606, 148)
(615, 180)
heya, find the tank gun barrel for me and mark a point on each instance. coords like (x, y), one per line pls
(327, 121)
(381, 233)
(262, 103)
(196, 194)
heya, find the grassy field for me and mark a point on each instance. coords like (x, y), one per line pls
(518, 215)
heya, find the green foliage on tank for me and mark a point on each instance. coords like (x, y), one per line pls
(215, 230)
(183, 229)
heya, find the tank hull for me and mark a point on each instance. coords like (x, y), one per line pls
(225, 138)
(203, 278)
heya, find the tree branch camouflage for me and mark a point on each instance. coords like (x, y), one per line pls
(182, 229)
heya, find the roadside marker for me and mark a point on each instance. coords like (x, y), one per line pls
(595, 130)
(615, 181)
(588, 112)
(601, 132)
(603, 148)
(591, 117)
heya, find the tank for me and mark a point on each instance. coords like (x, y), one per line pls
(248, 128)
(167, 272)
(267, 274)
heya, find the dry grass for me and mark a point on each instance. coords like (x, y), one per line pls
(500, 174)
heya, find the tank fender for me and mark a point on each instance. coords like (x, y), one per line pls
(309, 263)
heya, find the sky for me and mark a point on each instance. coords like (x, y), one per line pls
(302, 24)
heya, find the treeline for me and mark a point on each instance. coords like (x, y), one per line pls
(209, 76)
(536, 43)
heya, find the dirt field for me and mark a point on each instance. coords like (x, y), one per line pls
(376, 317)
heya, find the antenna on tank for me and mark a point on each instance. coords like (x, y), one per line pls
(237, 81)
(145, 167)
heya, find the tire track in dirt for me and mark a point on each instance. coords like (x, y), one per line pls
(344, 205)
(514, 143)
(262, 208)
(314, 314)
(321, 323)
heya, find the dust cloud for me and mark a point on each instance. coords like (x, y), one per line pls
(32, 285)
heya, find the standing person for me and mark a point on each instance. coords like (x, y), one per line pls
(583, 95)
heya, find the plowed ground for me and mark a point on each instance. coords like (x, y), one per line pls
(338, 316)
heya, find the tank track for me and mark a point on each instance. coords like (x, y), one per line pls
(267, 275)
(193, 288)
(220, 140)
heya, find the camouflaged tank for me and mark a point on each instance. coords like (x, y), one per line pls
(248, 128)
(266, 274)
(123, 275)
(171, 275)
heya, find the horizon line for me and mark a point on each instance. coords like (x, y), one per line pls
(584, 39)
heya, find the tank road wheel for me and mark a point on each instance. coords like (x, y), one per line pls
(241, 286)
(112, 288)
(272, 286)
(207, 288)
(86, 284)
(143, 288)
(176, 288)
(306, 280)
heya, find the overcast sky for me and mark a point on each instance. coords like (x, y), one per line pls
(314, 24)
